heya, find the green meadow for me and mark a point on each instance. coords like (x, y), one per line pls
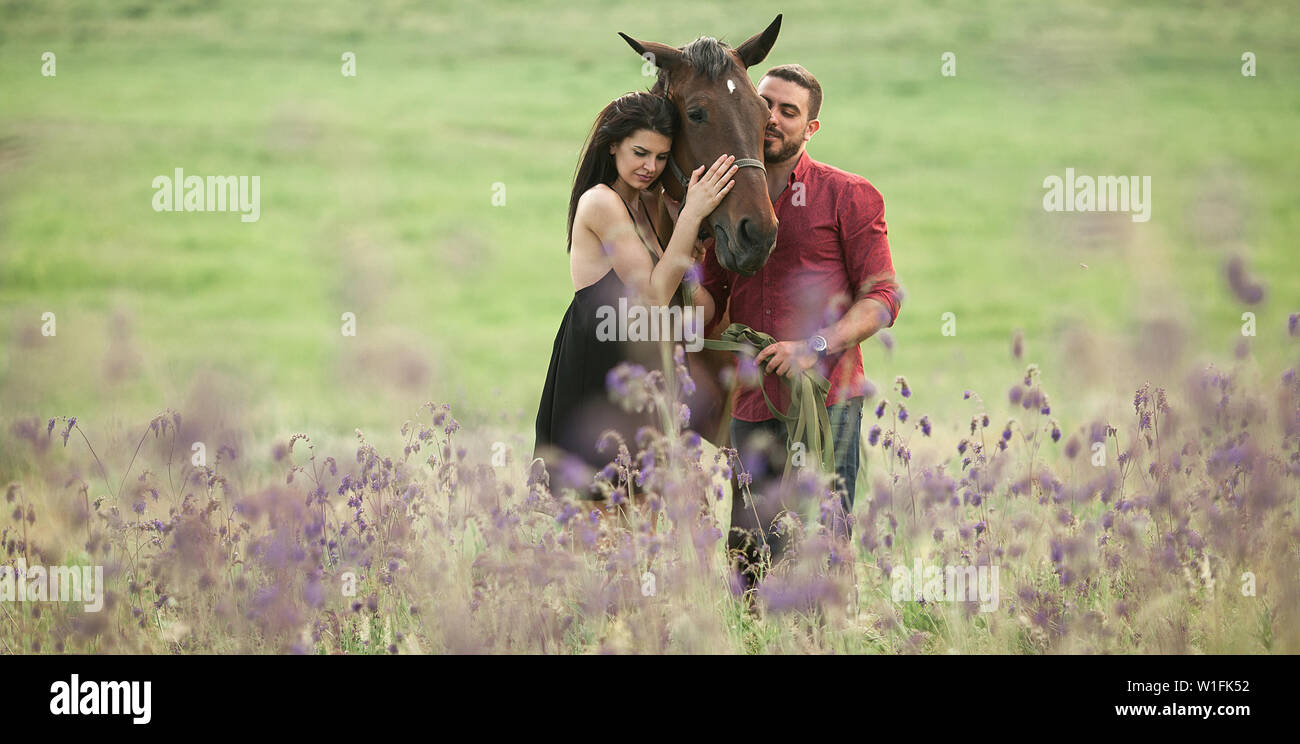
(376, 198)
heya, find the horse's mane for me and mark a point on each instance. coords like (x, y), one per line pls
(706, 54)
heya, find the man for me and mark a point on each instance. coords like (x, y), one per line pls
(827, 286)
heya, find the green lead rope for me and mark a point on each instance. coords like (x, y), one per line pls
(807, 414)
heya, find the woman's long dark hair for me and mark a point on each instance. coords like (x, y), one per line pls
(621, 118)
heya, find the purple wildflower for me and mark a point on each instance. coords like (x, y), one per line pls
(903, 389)
(1247, 291)
(567, 513)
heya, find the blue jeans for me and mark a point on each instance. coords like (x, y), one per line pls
(762, 448)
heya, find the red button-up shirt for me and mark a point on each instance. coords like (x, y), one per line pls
(832, 249)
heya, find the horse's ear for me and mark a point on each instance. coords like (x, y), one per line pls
(661, 55)
(756, 48)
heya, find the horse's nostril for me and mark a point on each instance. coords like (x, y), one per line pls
(748, 232)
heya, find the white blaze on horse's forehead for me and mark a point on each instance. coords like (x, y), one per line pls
(731, 86)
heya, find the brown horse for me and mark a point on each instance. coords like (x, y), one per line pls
(722, 113)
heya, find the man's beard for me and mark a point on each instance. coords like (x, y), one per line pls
(783, 151)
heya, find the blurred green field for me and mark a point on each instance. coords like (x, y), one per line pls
(376, 196)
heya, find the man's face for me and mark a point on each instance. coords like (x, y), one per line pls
(787, 123)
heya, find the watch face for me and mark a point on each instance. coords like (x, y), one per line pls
(818, 343)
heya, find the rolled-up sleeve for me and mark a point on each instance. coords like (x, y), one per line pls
(860, 215)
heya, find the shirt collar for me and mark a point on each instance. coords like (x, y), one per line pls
(800, 168)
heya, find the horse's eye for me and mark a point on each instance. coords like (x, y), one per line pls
(699, 115)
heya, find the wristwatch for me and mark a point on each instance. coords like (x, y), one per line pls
(819, 345)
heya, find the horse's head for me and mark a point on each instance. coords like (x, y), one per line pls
(721, 113)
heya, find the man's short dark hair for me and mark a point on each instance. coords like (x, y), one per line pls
(804, 79)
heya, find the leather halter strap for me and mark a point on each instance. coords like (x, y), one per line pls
(740, 163)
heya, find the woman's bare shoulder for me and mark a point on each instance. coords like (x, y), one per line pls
(599, 206)
(598, 196)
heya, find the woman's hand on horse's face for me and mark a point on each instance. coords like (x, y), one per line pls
(705, 192)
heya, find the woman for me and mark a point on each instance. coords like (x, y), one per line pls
(615, 191)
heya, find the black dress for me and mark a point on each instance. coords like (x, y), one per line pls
(575, 406)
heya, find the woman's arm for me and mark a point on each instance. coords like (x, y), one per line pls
(705, 300)
(701, 298)
(603, 212)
